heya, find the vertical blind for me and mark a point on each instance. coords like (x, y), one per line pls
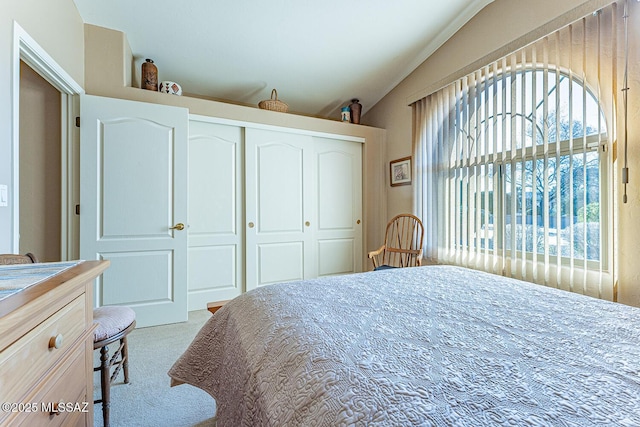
(513, 161)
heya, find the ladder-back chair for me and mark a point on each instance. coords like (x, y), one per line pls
(402, 244)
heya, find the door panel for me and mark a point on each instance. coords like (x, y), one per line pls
(280, 262)
(329, 263)
(133, 267)
(280, 169)
(136, 201)
(279, 207)
(133, 189)
(215, 212)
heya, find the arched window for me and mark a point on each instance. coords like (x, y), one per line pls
(526, 156)
(513, 161)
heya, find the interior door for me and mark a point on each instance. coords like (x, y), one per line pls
(133, 205)
(279, 207)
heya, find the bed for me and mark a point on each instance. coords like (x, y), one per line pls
(435, 345)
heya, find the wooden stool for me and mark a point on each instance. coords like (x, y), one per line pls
(114, 324)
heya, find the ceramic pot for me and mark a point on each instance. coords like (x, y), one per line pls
(149, 76)
(356, 109)
(171, 88)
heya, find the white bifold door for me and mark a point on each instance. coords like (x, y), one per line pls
(133, 205)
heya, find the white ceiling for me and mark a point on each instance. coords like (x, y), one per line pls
(318, 55)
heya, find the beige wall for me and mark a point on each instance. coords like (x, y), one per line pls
(40, 166)
(57, 27)
(494, 29)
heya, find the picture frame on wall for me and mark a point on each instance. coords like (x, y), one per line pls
(400, 171)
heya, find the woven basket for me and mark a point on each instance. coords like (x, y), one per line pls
(273, 104)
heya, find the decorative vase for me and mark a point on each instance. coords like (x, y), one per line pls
(356, 108)
(169, 87)
(346, 114)
(149, 77)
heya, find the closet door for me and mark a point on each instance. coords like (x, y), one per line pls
(216, 231)
(279, 207)
(338, 234)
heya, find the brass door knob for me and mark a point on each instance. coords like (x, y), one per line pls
(178, 226)
(251, 225)
(307, 223)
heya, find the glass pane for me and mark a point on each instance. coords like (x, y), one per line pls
(579, 202)
(486, 232)
(582, 225)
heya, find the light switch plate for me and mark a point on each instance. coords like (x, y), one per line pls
(4, 195)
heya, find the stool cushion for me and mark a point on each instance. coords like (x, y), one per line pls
(111, 320)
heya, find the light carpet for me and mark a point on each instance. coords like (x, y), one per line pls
(148, 400)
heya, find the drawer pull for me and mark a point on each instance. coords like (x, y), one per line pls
(56, 342)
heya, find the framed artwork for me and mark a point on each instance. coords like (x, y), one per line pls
(400, 171)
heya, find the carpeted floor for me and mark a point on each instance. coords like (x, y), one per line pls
(148, 400)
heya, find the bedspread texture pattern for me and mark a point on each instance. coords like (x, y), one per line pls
(428, 346)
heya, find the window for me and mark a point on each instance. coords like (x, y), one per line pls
(529, 151)
(513, 166)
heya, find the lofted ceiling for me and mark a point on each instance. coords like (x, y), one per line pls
(318, 55)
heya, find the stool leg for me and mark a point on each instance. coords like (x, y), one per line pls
(125, 359)
(105, 383)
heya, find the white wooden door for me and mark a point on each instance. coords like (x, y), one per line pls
(338, 234)
(279, 207)
(133, 200)
(216, 229)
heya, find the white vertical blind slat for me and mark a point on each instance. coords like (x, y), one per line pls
(534, 133)
(584, 152)
(558, 200)
(545, 150)
(570, 201)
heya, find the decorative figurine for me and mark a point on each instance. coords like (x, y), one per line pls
(346, 114)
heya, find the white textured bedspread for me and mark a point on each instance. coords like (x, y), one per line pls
(432, 346)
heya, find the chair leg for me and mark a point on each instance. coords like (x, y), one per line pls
(105, 384)
(125, 359)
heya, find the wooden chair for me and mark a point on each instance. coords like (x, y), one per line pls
(402, 244)
(10, 259)
(114, 324)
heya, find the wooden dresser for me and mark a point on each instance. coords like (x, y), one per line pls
(46, 350)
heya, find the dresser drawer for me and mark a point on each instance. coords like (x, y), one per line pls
(68, 385)
(26, 361)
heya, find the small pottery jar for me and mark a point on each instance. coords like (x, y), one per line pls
(356, 108)
(346, 114)
(169, 87)
(149, 76)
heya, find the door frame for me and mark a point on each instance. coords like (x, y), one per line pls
(25, 48)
